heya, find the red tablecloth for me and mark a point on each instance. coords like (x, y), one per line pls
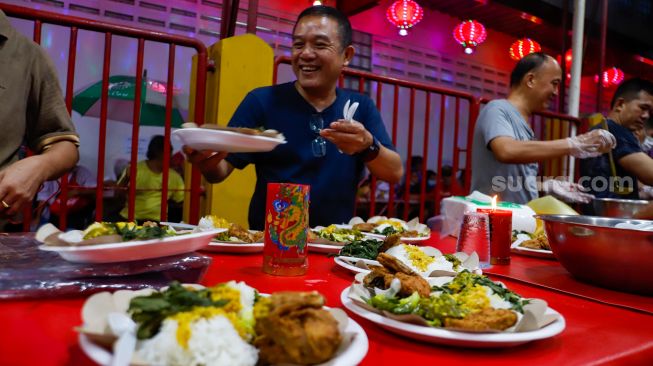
(41, 332)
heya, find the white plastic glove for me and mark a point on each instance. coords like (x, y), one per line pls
(591, 144)
(645, 192)
(647, 144)
(566, 191)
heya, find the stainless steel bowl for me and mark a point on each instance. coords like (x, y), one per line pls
(613, 207)
(593, 250)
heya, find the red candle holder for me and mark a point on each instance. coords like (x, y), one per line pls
(500, 234)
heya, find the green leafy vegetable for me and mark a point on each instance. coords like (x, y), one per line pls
(367, 249)
(455, 261)
(150, 311)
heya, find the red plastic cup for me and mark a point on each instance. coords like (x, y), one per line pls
(475, 237)
(500, 234)
(286, 229)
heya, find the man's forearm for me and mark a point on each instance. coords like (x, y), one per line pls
(510, 151)
(58, 159)
(387, 166)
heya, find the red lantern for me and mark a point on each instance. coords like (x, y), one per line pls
(523, 47)
(469, 34)
(568, 58)
(611, 76)
(404, 14)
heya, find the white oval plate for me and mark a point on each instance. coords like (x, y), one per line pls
(353, 354)
(348, 265)
(219, 140)
(539, 253)
(324, 248)
(454, 338)
(222, 247)
(134, 250)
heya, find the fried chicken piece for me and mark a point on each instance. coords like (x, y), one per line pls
(285, 301)
(539, 242)
(381, 278)
(390, 241)
(240, 233)
(484, 320)
(413, 283)
(297, 330)
(364, 227)
(393, 264)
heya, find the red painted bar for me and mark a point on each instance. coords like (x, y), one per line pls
(425, 152)
(136, 121)
(411, 127)
(456, 150)
(474, 107)
(395, 125)
(102, 140)
(436, 192)
(168, 125)
(379, 98)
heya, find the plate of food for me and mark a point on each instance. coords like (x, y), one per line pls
(332, 238)
(533, 245)
(229, 323)
(235, 239)
(228, 139)
(108, 242)
(468, 310)
(381, 227)
(427, 262)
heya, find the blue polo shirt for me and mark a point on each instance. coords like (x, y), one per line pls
(333, 178)
(596, 172)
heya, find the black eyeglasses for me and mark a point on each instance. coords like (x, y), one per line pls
(318, 145)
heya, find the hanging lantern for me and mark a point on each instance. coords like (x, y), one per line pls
(611, 77)
(469, 34)
(523, 47)
(568, 59)
(404, 14)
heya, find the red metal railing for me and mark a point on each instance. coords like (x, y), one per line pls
(547, 126)
(109, 31)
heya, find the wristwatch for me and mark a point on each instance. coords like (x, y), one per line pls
(371, 152)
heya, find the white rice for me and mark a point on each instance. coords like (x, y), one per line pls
(213, 342)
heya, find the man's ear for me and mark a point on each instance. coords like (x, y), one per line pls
(619, 104)
(349, 54)
(530, 79)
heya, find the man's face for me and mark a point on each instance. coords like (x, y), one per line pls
(317, 55)
(544, 84)
(634, 113)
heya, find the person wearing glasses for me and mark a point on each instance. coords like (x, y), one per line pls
(327, 147)
(32, 113)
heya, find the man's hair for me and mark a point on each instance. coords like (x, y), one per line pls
(528, 63)
(344, 26)
(155, 148)
(629, 90)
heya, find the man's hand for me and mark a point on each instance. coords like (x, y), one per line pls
(19, 183)
(207, 162)
(591, 144)
(350, 137)
(566, 191)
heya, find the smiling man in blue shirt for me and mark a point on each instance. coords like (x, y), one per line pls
(323, 149)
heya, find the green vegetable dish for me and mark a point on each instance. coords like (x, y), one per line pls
(340, 235)
(366, 249)
(466, 294)
(128, 230)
